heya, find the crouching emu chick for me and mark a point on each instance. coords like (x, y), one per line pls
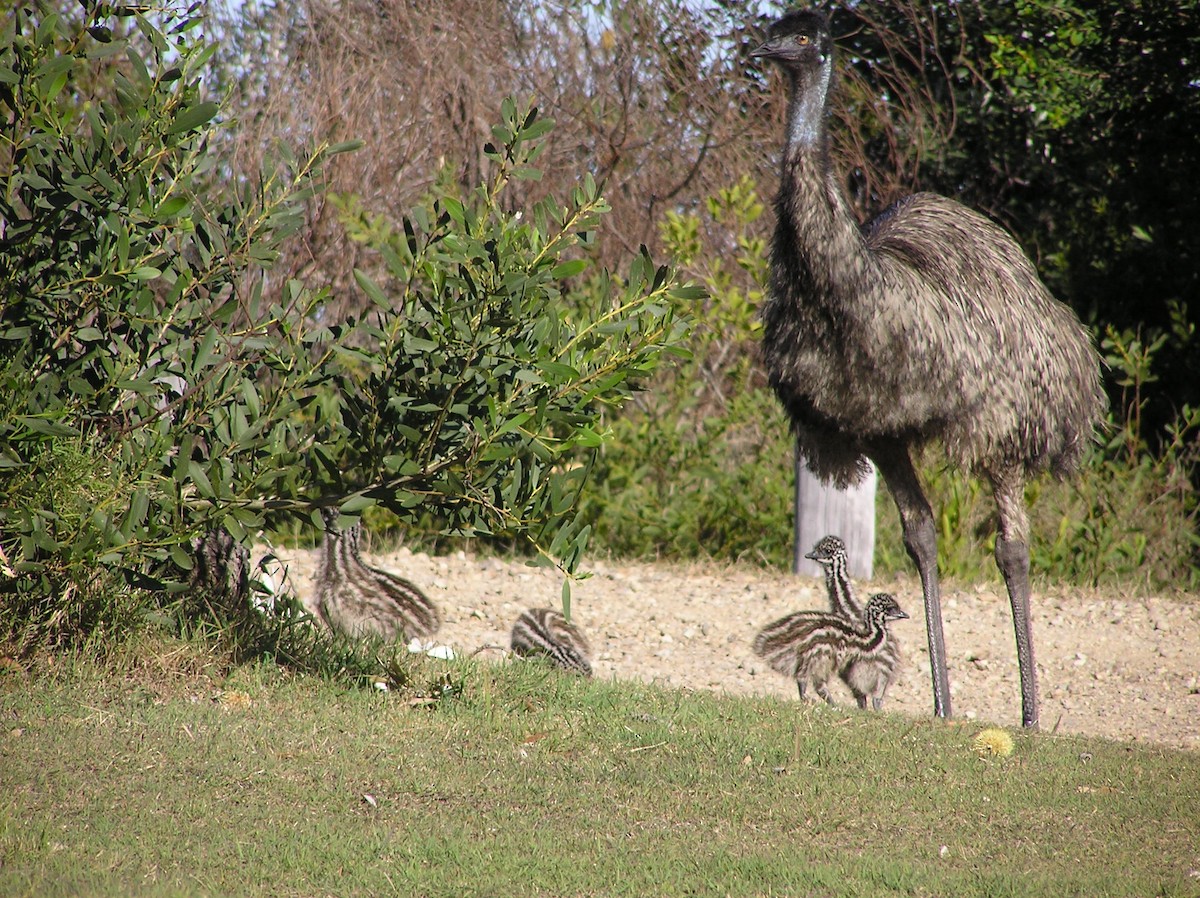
(545, 632)
(355, 598)
(812, 647)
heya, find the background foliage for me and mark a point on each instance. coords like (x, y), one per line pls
(158, 382)
(460, 354)
(1072, 124)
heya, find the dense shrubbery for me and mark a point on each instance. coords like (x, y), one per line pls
(700, 465)
(158, 378)
(148, 384)
(153, 388)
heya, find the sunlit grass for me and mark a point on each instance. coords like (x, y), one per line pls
(528, 782)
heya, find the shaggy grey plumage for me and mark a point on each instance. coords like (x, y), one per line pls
(356, 598)
(812, 647)
(928, 324)
(546, 632)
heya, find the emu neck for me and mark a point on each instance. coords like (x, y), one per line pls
(819, 254)
(806, 111)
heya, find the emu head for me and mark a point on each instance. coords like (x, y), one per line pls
(882, 608)
(330, 517)
(801, 45)
(827, 549)
(350, 535)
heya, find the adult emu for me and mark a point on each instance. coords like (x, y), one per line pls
(927, 323)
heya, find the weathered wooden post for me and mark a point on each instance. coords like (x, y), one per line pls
(822, 510)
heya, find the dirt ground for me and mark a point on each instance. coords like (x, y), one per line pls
(1122, 667)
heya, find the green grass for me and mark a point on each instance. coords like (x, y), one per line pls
(528, 782)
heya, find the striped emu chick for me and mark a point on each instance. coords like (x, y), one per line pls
(544, 631)
(870, 678)
(830, 554)
(813, 647)
(357, 599)
(221, 566)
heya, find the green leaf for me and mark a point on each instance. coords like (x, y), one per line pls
(139, 506)
(193, 117)
(199, 477)
(356, 504)
(44, 37)
(568, 269)
(538, 129)
(46, 427)
(346, 146)
(170, 208)
(373, 291)
(182, 557)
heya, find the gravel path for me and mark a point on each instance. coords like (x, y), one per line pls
(1122, 667)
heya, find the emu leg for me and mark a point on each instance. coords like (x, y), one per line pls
(1012, 558)
(920, 539)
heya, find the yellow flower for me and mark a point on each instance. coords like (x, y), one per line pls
(993, 742)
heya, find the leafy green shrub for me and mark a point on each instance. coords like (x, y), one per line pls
(147, 384)
(155, 384)
(479, 404)
(700, 465)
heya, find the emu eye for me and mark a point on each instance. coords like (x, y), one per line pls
(803, 39)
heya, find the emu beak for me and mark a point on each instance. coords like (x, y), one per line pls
(897, 615)
(767, 50)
